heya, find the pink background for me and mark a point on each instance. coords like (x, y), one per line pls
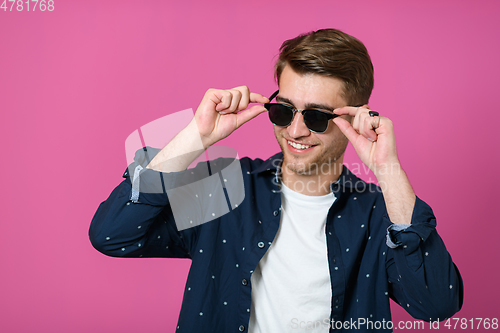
(75, 82)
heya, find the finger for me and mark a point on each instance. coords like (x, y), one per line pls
(346, 128)
(236, 100)
(376, 122)
(222, 99)
(347, 110)
(362, 122)
(244, 97)
(248, 114)
(258, 98)
(357, 120)
(368, 127)
(248, 97)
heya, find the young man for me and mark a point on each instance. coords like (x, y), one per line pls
(311, 247)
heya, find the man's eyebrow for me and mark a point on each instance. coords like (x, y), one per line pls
(307, 106)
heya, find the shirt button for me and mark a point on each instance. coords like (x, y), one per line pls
(275, 213)
(244, 282)
(241, 328)
(261, 245)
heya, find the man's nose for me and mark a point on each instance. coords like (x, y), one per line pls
(298, 128)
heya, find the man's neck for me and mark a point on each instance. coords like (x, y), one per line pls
(315, 183)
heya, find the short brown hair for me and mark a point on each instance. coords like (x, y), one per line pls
(332, 53)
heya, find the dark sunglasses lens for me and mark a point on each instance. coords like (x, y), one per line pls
(316, 121)
(280, 115)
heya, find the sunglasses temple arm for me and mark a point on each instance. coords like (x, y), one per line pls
(274, 95)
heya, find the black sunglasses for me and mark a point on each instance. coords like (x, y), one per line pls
(282, 115)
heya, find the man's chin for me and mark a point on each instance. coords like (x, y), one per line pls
(300, 168)
(301, 171)
(309, 166)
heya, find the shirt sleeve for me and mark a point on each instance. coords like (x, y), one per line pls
(136, 220)
(422, 276)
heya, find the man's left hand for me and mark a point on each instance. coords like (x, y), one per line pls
(372, 137)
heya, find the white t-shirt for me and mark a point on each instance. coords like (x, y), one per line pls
(291, 289)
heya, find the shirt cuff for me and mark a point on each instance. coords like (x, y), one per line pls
(148, 186)
(392, 232)
(422, 224)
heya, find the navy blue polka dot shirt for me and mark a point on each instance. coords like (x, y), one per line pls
(227, 232)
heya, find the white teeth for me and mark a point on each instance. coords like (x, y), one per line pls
(297, 145)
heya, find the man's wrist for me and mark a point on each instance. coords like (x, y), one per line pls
(192, 130)
(385, 172)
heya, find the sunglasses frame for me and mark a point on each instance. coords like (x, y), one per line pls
(294, 110)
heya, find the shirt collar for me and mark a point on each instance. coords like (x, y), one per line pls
(346, 179)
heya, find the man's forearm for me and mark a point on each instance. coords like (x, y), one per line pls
(398, 194)
(180, 152)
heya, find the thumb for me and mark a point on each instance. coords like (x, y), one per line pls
(258, 98)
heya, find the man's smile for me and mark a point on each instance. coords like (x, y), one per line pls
(300, 146)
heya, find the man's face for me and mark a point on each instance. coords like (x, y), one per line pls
(306, 92)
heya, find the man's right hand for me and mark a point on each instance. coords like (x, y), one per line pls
(218, 114)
